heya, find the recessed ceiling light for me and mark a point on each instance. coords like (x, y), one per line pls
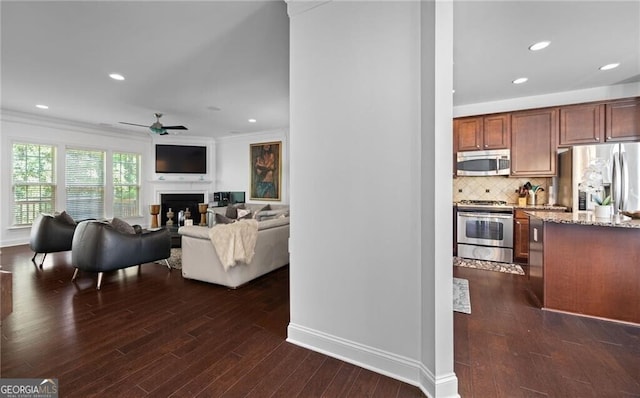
(41, 106)
(610, 66)
(520, 80)
(539, 45)
(116, 76)
(252, 120)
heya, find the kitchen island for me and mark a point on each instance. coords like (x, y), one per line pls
(585, 265)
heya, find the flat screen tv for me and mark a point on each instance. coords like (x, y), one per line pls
(181, 159)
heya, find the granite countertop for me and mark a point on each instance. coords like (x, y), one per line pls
(540, 207)
(533, 207)
(585, 218)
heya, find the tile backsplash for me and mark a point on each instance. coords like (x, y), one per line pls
(496, 188)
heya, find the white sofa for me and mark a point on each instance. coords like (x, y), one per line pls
(200, 260)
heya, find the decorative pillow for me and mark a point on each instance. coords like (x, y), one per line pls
(122, 226)
(263, 208)
(244, 213)
(272, 214)
(65, 218)
(220, 219)
(232, 210)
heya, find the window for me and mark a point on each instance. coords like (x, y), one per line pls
(85, 183)
(33, 181)
(126, 185)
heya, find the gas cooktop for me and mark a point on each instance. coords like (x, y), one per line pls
(483, 202)
(485, 205)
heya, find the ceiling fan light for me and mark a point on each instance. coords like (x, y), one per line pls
(157, 130)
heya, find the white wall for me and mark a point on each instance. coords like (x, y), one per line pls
(233, 165)
(357, 192)
(228, 162)
(19, 127)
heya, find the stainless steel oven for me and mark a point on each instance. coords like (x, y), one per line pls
(485, 231)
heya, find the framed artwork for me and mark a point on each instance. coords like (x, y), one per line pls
(266, 170)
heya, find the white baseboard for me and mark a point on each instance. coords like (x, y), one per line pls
(407, 370)
(14, 242)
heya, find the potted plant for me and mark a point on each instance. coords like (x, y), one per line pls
(603, 208)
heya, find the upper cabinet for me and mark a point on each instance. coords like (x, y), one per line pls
(582, 124)
(623, 120)
(534, 135)
(534, 142)
(482, 132)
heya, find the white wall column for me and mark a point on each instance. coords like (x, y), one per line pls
(437, 227)
(369, 283)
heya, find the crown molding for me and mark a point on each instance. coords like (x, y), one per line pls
(13, 116)
(297, 7)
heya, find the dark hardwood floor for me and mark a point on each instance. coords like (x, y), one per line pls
(151, 333)
(509, 348)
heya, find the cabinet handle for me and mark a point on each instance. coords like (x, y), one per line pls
(477, 146)
(486, 145)
(598, 138)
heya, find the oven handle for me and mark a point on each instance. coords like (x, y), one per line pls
(486, 215)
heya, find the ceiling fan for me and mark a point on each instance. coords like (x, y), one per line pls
(157, 127)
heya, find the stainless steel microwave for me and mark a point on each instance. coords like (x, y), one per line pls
(495, 162)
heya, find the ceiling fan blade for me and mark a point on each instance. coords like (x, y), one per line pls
(133, 124)
(174, 128)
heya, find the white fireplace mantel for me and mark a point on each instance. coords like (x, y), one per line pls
(180, 181)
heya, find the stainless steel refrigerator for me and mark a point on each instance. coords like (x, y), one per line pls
(621, 175)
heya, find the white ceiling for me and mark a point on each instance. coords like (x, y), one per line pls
(491, 41)
(212, 65)
(184, 59)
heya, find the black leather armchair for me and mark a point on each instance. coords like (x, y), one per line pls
(50, 234)
(98, 247)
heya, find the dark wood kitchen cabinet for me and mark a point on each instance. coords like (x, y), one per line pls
(521, 226)
(601, 279)
(582, 124)
(521, 237)
(623, 120)
(455, 230)
(482, 132)
(534, 142)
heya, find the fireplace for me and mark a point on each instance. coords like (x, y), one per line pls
(180, 201)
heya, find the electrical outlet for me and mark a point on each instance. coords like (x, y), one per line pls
(487, 190)
(460, 190)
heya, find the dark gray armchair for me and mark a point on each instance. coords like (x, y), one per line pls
(51, 234)
(98, 247)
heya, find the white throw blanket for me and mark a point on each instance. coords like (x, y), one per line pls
(235, 242)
